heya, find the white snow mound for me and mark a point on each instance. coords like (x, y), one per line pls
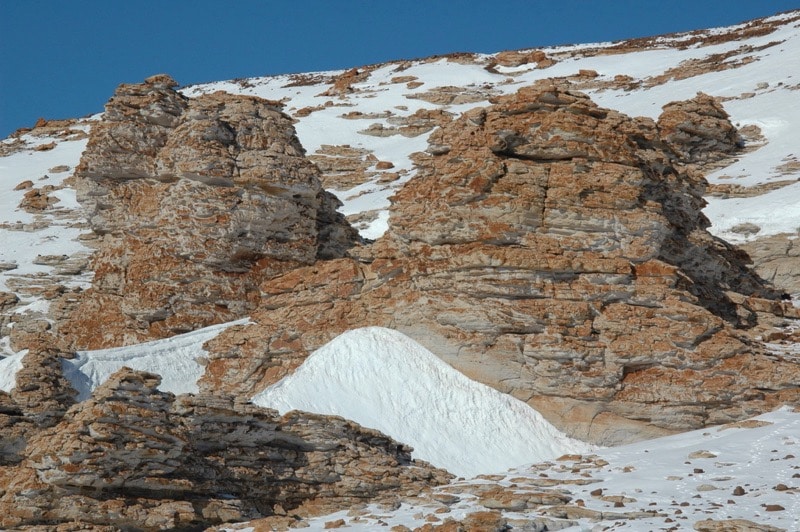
(384, 380)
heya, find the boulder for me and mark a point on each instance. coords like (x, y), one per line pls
(699, 130)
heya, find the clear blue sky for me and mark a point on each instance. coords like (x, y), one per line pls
(62, 59)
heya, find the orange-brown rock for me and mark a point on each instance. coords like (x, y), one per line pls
(343, 83)
(133, 457)
(556, 251)
(343, 166)
(38, 199)
(45, 147)
(515, 58)
(198, 201)
(699, 129)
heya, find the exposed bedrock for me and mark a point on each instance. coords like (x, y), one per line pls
(132, 457)
(197, 201)
(554, 250)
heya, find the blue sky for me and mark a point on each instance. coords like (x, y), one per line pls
(63, 59)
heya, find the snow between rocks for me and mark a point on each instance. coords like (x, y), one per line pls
(384, 380)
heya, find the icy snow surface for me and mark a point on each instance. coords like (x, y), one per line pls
(176, 359)
(384, 380)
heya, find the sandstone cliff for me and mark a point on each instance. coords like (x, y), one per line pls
(197, 202)
(554, 250)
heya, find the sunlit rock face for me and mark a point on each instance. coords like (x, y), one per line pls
(198, 200)
(556, 251)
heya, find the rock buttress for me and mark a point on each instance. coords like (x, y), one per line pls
(556, 251)
(197, 201)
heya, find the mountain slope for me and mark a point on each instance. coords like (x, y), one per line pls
(536, 224)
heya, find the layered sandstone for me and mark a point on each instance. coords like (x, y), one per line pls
(554, 250)
(197, 202)
(132, 457)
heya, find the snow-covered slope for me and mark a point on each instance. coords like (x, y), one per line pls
(670, 483)
(38, 247)
(382, 379)
(757, 77)
(26, 235)
(177, 359)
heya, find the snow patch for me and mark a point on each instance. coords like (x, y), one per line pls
(176, 359)
(9, 367)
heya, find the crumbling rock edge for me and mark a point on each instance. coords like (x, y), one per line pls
(132, 456)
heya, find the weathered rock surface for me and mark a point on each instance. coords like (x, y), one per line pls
(38, 199)
(515, 58)
(733, 525)
(198, 201)
(698, 129)
(63, 129)
(776, 258)
(39, 400)
(556, 251)
(132, 457)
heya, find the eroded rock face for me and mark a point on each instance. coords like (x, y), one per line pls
(699, 130)
(776, 258)
(553, 250)
(198, 201)
(134, 457)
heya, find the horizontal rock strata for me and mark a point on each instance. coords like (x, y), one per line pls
(133, 457)
(556, 251)
(198, 201)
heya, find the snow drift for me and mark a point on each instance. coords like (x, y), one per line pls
(382, 379)
(176, 359)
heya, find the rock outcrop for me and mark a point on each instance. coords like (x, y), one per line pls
(132, 457)
(699, 130)
(556, 251)
(198, 202)
(774, 258)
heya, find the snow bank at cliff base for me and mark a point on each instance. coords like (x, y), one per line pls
(382, 379)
